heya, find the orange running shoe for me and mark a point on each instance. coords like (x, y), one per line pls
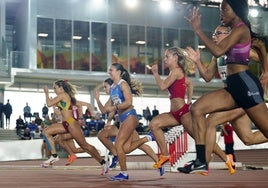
(70, 159)
(230, 164)
(161, 161)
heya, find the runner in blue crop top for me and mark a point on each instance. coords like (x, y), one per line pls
(116, 93)
(121, 97)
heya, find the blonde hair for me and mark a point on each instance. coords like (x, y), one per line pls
(184, 61)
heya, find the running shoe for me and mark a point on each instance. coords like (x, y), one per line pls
(230, 164)
(150, 136)
(119, 177)
(114, 162)
(51, 160)
(104, 169)
(71, 159)
(162, 170)
(187, 167)
(199, 168)
(161, 161)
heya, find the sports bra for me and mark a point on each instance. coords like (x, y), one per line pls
(116, 93)
(177, 89)
(239, 53)
(64, 105)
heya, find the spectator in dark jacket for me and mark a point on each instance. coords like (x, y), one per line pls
(20, 125)
(8, 112)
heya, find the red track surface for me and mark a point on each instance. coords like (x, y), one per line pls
(86, 173)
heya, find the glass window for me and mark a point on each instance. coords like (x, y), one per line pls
(119, 45)
(63, 44)
(187, 38)
(170, 40)
(45, 47)
(81, 45)
(137, 49)
(154, 44)
(98, 41)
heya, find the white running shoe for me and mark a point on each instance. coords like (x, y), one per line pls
(51, 160)
(105, 168)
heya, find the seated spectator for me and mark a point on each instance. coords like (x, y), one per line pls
(87, 114)
(91, 124)
(38, 121)
(140, 128)
(99, 124)
(33, 128)
(27, 112)
(85, 130)
(20, 125)
(26, 135)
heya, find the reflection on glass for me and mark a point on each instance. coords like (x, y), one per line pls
(140, 47)
(119, 45)
(154, 44)
(137, 49)
(81, 45)
(45, 48)
(99, 47)
(63, 44)
(188, 39)
(170, 40)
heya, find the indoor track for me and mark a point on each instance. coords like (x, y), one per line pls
(85, 172)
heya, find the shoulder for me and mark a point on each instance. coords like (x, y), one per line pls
(242, 32)
(122, 83)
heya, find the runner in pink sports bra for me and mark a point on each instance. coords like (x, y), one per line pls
(239, 53)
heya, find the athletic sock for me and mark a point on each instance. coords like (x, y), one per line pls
(201, 153)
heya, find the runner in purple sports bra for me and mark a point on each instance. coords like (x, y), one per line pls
(243, 88)
(237, 117)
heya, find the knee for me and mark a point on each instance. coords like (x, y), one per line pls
(101, 135)
(45, 132)
(118, 146)
(211, 122)
(248, 140)
(154, 125)
(58, 140)
(195, 110)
